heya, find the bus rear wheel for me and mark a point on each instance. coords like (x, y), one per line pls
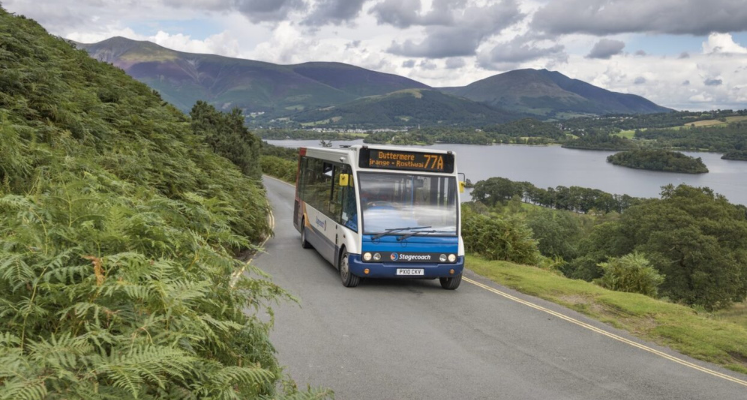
(304, 243)
(347, 277)
(451, 283)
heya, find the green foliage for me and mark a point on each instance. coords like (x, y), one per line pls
(498, 237)
(557, 233)
(596, 141)
(696, 239)
(280, 168)
(704, 138)
(227, 136)
(630, 273)
(499, 190)
(740, 155)
(659, 160)
(118, 229)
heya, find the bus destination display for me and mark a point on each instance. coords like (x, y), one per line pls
(406, 160)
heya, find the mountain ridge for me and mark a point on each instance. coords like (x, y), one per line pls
(287, 95)
(547, 93)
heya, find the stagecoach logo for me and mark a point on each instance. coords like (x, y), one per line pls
(321, 224)
(393, 256)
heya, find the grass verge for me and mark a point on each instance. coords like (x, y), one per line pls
(704, 336)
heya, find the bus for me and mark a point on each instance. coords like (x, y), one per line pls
(382, 212)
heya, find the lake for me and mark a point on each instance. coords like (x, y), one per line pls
(551, 166)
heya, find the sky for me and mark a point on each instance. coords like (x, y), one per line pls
(683, 54)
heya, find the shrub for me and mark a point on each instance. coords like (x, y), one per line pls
(498, 237)
(630, 273)
(279, 168)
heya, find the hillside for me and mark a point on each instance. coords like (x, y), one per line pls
(551, 94)
(411, 107)
(118, 233)
(252, 86)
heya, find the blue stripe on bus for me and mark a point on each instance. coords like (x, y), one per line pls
(413, 244)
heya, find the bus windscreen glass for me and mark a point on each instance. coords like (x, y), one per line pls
(396, 201)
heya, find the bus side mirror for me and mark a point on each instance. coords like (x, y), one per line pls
(344, 179)
(461, 187)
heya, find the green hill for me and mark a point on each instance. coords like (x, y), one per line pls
(252, 86)
(411, 107)
(551, 94)
(118, 231)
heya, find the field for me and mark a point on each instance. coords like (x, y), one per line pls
(715, 122)
(720, 337)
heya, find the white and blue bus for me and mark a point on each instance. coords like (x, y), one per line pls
(382, 212)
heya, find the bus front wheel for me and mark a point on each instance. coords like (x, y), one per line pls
(304, 243)
(451, 283)
(347, 277)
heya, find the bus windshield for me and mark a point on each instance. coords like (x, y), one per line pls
(393, 202)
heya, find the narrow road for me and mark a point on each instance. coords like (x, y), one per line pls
(411, 339)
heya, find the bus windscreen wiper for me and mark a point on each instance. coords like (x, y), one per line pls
(392, 230)
(407, 235)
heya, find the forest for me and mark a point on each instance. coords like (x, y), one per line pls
(120, 222)
(659, 160)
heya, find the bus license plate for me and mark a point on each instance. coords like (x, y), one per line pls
(409, 271)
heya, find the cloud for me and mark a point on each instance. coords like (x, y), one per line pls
(640, 53)
(639, 80)
(221, 43)
(606, 48)
(712, 82)
(268, 10)
(406, 13)
(722, 43)
(684, 55)
(334, 12)
(607, 17)
(408, 63)
(455, 63)
(470, 27)
(686, 83)
(509, 55)
(427, 65)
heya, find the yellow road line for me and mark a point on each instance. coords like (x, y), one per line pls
(608, 334)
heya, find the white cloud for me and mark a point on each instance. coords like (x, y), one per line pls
(722, 43)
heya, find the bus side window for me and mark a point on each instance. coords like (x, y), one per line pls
(335, 201)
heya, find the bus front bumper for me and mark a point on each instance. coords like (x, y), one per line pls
(389, 270)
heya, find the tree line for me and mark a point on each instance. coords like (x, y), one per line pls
(575, 198)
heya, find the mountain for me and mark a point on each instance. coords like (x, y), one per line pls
(253, 86)
(551, 94)
(406, 107)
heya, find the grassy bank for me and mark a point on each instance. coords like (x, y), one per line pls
(705, 336)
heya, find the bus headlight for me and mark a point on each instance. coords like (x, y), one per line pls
(366, 256)
(452, 257)
(442, 258)
(377, 256)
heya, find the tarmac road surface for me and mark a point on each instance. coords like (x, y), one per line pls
(411, 339)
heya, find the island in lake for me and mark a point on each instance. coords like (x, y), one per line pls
(740, 155)
(659, 160)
